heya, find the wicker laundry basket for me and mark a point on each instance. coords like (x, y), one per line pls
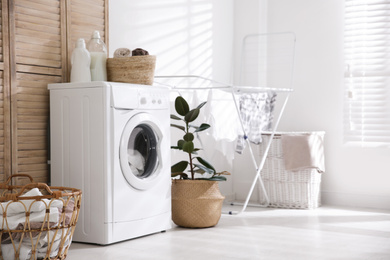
(288, 189)
(135, 69)
(37, 221)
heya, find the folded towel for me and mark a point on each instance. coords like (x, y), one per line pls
(21, 206)
(11, 222)
(17, 207)
(122, 53)
(8, 251)
(7, 236)
(303, 151)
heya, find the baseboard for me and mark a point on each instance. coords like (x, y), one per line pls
(355, 200)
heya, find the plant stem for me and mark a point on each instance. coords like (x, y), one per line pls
(191, 167)
(189, 155)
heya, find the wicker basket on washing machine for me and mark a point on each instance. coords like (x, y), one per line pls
(37, 221)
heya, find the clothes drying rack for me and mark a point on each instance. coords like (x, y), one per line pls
(266, 65)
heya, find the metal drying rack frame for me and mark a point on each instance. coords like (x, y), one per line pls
(263, 68)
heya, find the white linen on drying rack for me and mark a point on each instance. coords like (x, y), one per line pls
(220, 112)
(222, 116)
(256, 111)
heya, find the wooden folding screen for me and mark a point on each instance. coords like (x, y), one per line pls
(37, 39)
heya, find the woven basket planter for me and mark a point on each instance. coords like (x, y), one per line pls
(196, 203)
(135, 69)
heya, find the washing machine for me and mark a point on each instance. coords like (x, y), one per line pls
(111, 140)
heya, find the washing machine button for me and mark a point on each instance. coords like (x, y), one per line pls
(143, 101)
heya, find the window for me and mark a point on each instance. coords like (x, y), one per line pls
(367, 73)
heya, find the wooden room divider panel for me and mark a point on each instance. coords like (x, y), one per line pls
(41, 36)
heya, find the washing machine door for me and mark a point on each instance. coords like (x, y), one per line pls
(140, 153)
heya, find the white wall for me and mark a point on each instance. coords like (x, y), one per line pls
(187, 36)
(354, 176)
(202, 37)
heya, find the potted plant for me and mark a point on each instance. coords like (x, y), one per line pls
(196, 199)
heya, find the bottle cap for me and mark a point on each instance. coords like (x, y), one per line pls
(80, 43)
(96, 35)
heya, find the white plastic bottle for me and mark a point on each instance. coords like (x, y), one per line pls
(81, 61)
(98, 52)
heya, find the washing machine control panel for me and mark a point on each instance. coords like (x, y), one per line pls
(129, 96)
(153, 100)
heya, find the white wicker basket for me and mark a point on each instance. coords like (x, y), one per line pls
(287, 189)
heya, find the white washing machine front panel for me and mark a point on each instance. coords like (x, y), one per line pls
(111, 140)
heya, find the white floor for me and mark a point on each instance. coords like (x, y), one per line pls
(323, 233)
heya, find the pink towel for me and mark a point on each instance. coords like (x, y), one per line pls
(303, 151)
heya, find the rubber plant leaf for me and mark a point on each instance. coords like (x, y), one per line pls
(204, 168)
(175, 117)
(202, 127)
(214, 178)
(205, 163)
(181, 174)
(201, 105)
(192, 115)
(188, 147)
(188, 137)
(199, 171)
(181, 106)
(179, 127)
(179, 167)
(180, 143)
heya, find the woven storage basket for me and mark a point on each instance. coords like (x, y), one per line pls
(287, 189)
(196, 203)
(37, 226)
(135, 69)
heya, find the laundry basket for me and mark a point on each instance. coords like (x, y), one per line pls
(298, 189)
(37, 221)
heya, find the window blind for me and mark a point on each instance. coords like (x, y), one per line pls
(367, 73)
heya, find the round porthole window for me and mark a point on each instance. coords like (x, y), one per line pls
(139, 151)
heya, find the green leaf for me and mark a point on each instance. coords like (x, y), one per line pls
(180, 143)
(175, 117)
(181, 106)
(195, 151)
(218, 178)
(204, 168)
(179, 167)
(214, 178)
(202, 127)
(179, 126)
(181, 174)
(205, 163)
(188, 147)
(201, 105)
(176, 147)
(188, 137)
(191, 115)
(201, 171)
